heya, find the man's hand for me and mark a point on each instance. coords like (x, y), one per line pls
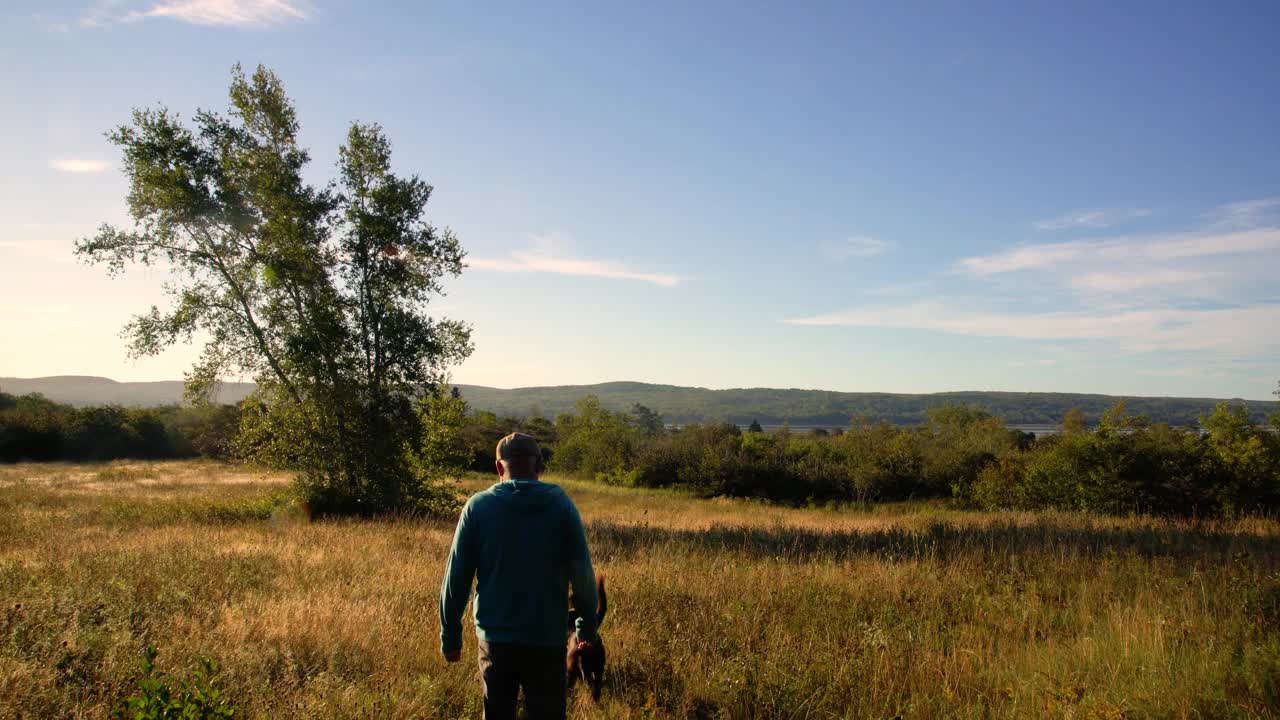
(453, 656)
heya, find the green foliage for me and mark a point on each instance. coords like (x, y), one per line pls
(645, 420)
(958, 441)
(443, 451)
(209, 429)
(1131, 465)
(594, 442)
(31, 428)
(481, 431)
(1073, 423)
(1245, 459)
(163, 697)
(883, 462)
(35, 429)
(999, 483)
(319, 294)
(1127, 465)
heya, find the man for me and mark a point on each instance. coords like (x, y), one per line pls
(523, 541)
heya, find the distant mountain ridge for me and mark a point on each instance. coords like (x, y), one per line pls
(678, 404)
(82, 390)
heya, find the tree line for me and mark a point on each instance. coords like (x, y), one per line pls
(33, 428)
(1122, 463)
(1125, 463)
(686, 405)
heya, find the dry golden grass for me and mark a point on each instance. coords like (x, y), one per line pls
(717, 608)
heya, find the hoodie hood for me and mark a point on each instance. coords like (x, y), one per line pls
(527, 496)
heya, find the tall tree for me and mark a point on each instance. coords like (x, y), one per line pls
(647, 420)
(319, 294)
(1074, 423)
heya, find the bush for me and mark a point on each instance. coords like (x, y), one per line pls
(594, 441)
(998, 484)
(1243, 459)
(163, 697)
(367, 460)
(883, 462)
(1126, 465)
(1129, 465)
(31, 428)
(207, 430)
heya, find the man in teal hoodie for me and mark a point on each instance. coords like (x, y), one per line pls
(522, 541)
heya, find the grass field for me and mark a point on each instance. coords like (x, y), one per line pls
(717, 608)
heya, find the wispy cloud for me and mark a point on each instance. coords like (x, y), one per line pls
(51, 24)
(1147, 248)
(1248, 329)
(228, 13)
(1025, 257)
(1123, 282)
(549, 256)
(913, 287)
(1183, 372)
(244, 14)
(1247, 214)
(73, 165)
(1092, 218)
(101, 12)
(856, 247)
(1206, 291)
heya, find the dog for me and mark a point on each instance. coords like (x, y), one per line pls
(586, 663)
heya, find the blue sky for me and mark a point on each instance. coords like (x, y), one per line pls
(911, 197)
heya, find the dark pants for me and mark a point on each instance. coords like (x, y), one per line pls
(507, 668)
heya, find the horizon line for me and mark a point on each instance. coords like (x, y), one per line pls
(700, 387)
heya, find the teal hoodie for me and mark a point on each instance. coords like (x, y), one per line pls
(523, 543)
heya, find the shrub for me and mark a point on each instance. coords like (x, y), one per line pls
(882, 462)
(164, 697)
(1245, 460)
(208, 430)
(998, 484)
(957, 443)
(594, 441)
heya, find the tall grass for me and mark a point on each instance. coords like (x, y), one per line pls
(718, 608)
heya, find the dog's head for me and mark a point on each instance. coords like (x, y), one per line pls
(585, 662)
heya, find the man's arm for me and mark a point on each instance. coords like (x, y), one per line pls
(455, 589)
(582, 576)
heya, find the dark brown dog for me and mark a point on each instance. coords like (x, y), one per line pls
(586, 662)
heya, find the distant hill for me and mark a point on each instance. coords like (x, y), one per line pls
(824, 407)
(689, 404)
(81, 390)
